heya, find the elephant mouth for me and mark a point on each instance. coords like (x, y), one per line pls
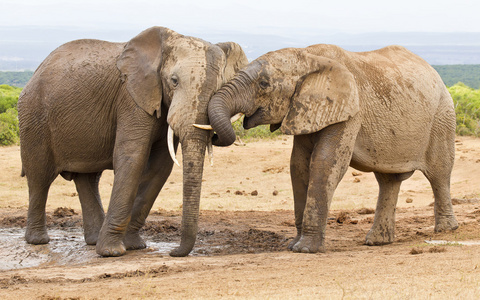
(274, 127)
(254, 120)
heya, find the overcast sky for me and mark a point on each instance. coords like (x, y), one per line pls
(260, 16)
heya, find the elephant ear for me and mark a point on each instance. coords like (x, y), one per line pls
(235, 59)
(139, 64)
(324, 97)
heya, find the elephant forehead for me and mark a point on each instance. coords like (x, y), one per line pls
(187, 46)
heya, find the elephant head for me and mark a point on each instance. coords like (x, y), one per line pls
(171, 75)
(290, 89)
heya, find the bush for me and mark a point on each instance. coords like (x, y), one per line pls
(8, 97)
(467, 109)
(9, 127)
(8, 114)
(256, 133)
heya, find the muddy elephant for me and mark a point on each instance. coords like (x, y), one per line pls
(94, 105)
(385, 111)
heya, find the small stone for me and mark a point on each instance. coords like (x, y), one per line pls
(357, 173)
(238, 193)
(254, 193)
(409, 200)
(275, 192)
(356, 180)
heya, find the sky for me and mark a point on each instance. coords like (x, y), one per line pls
(259, 16)
(30, 29)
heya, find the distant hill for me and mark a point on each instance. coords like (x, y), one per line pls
(18, 79)
(452, 74)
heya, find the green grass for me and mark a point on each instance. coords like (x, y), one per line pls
(254, 134)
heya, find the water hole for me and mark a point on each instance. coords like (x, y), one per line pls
(67, 247)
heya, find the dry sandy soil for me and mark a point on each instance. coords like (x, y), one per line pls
(245, 224)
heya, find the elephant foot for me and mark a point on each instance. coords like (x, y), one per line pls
(445, 223)
(91, 238)
(380, 236)
(133, 241)
(110, 246)
(292, 243)
(309, 244)
(37, 237)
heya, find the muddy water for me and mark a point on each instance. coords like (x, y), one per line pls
(67, 247)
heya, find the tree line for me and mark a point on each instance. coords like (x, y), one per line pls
(451, 74)
(467, 74)
(18, 79)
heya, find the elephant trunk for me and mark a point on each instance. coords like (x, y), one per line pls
(231, 99)
(193, 151)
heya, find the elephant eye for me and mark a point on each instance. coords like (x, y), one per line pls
(174, 81)
(264, 84)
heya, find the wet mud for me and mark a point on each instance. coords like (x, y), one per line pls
(221, 233)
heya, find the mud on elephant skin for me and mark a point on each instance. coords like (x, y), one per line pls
(94, 105)
(385, 111)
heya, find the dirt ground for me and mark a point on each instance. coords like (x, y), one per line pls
(245, 224)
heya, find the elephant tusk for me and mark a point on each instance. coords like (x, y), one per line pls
(236, 117)
(204, 127)
(210, 152)
(170, 145)
(209, 127)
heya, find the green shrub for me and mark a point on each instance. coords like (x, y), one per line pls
(256, 133)
(8, 114)
(467, 109)
(9, 127)
(8, 97)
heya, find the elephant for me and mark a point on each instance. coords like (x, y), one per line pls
(385, 111)
(94, 105)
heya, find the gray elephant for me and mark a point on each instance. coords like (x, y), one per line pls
(94, 105)
(385, 111)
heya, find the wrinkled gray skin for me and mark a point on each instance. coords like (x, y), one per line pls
(385, 111)
(94, 105)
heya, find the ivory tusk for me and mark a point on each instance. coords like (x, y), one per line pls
(236, 117)
(209, 127)
(205, 127)
(210, 152)
(170, 145)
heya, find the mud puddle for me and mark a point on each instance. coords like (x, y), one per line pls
(66, 247)
(443, 242)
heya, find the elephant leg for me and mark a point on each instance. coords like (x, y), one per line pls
(299, 173)
(130, 158)
(38, 186)
(383, 229)
(440, 159)
(444, 215)
(92, 209)
(160, 166)
(331, 155)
